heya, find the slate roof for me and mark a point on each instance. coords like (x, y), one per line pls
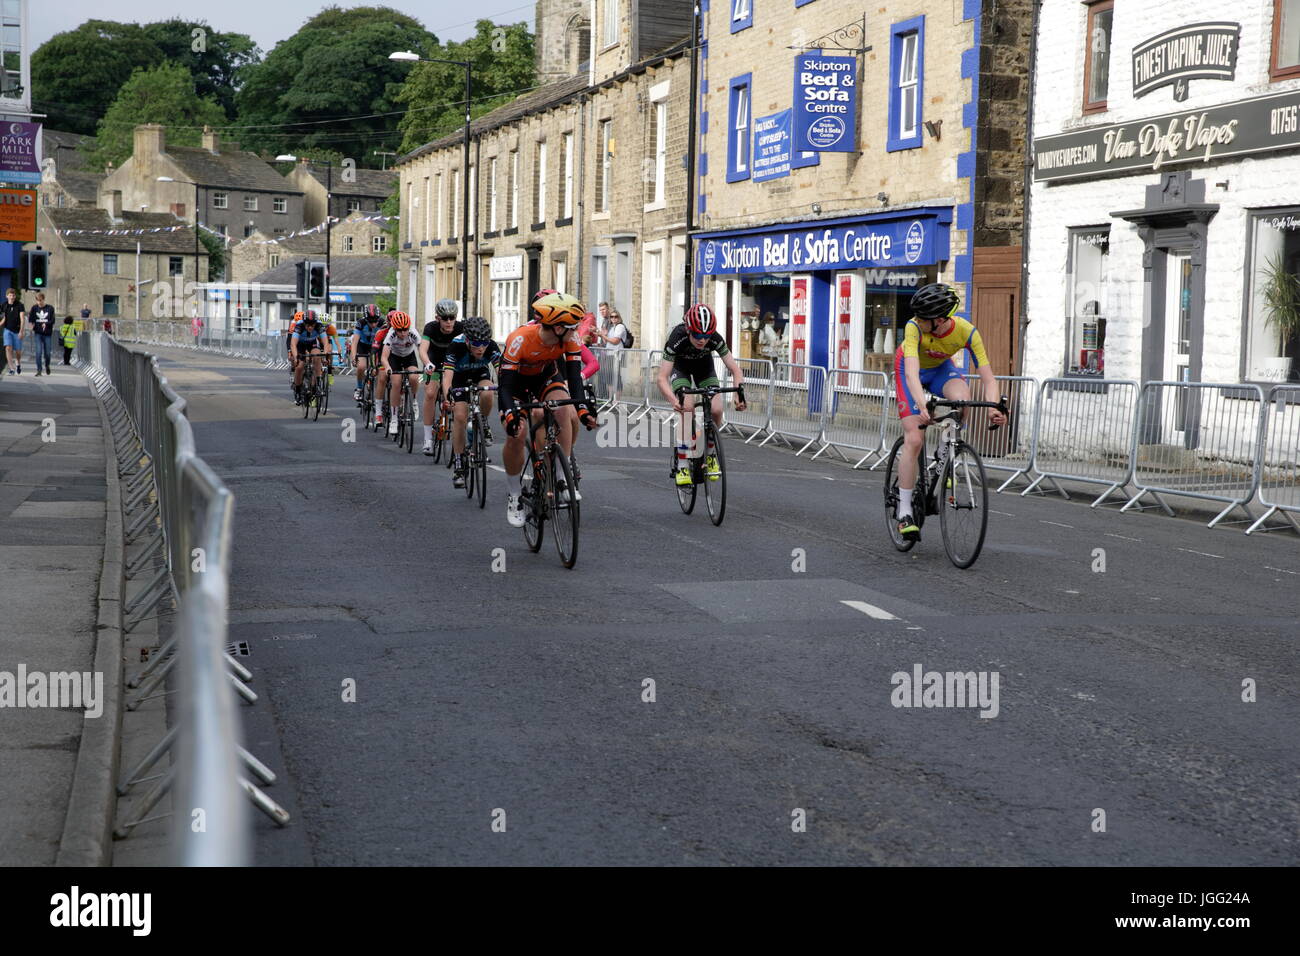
(230, 169)
(345, 272)
(178, 241)
(63, 148)
(313, 245)
(376, 183)
(81, 185)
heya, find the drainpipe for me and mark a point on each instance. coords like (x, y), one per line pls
(688, 282)
(1025, 193)
(580, 201)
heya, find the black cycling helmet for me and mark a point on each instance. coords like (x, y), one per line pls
(445, 308)
(934, 301)
(371, 313)
(477, 329)
(311, 316)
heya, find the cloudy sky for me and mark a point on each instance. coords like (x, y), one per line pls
(269, 23)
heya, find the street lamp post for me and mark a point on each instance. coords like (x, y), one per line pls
(169, 179)
(329, 188)
(464, 163)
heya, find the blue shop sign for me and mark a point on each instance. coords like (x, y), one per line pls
(893, 243)
(771, 146)
(825, 103)
(342, 296)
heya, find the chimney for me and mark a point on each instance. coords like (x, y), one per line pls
(209, 139)
(148, 140)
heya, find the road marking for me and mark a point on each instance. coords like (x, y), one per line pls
(1204, 554)
(915, 627)
(870, 610)
(497, 468)
(1124, 536)
(1005, 514)
(1071, 592)
(1283, 570)
(1057, 523)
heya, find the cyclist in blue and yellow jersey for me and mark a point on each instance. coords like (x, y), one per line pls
(924, 363)
(360, 343)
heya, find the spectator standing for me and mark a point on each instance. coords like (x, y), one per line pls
(13, 315)
(43, 321)
(68, 335)
(616, 337)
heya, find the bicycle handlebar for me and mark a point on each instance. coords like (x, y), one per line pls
(957, 404)
(711, 391)
(549, 403)
(463, 389)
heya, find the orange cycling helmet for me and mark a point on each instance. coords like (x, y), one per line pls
(399, 320)
(558, 309)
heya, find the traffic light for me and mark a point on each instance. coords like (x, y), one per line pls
(316, 280)
(38, 269)
(301, 284)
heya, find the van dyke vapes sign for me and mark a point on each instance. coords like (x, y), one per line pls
(1264, 124)
(1197, 51)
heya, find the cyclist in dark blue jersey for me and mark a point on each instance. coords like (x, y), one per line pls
(469, 361)
(361, 344)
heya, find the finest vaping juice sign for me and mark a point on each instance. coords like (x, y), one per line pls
(1197, 51)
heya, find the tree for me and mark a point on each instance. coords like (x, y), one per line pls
(213, 58)
(503, 68)
(215, 247)
(164, 95)
(335, 66)
(77, 74)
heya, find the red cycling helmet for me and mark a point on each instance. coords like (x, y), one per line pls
(700, 320)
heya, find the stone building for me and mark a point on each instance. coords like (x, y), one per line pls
(66, 178)
(1166, 191)
(351, 190)
(357, 235)
(239, 193)
(909, 119)
(579, 185)
(113, 261)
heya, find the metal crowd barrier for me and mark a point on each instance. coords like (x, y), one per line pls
(1011, 447)
(652, 400)
(1199, 440)
(861, 402)
(264, 347)
(1279, 459)
(757, 415)
(1083, 431)
(179, 508)
(799, 403)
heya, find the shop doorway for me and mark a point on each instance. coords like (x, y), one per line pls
(1178, 317)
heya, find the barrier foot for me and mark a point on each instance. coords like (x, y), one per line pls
(260, 770)
(1056, 486)
(864, 458)
(278, 814)
(243, 689)
(1143, 493)
(1105, 494)
(1003, 487)
(1274, 509)
(1228, 510)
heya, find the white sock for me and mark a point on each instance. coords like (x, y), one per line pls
(904, 501)
(428, 433)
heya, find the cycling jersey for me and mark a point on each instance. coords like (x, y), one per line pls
(679, 346)
(440, 341)
(461, 360)
(401, 344)
(310, 336)
(528, 361)
(932, 351)
(365, 333)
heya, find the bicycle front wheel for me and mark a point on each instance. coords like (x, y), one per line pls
(963, 497)
(685, 493)
(479, 465)
(409, 418)
(564, 508)
(715, 489)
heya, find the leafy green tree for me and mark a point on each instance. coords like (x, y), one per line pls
(216, 250)
(165, 95)
(213, 58)
(335, 66)
(77, 74)
(502, 68)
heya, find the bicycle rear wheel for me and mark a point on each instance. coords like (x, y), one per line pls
(471, 451)
(891, 498)
(409, 419)
(685, 493)
(564, 510)
(306, 395)
(535, 507)
(479, 465)
(715, 492)
(317, 396)
(963, 497)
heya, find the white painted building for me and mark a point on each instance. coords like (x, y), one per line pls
(1148, 253)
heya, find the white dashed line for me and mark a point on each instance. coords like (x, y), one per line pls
(1057, 523)
(497, 468)
(870, 610)
(1005, 514)
(1283, 570)
(1204, 554)
(1124, 536)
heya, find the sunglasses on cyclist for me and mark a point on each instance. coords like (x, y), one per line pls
(474, 343)
(698, 338)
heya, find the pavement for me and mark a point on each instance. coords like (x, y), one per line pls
(431, 692)
(55, 761)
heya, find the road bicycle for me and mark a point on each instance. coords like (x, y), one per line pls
(951, 484)
(313, 392)
(547, 492)
(714, 482)
(406, 410)
(367, 400)
(476, 456)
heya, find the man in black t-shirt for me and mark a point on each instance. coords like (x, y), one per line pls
(42, 321)
(12, 315)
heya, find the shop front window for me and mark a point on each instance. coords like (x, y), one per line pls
(1273, 322)
(1087, 306)
(886, 297)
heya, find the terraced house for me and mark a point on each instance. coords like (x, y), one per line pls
(579, 185)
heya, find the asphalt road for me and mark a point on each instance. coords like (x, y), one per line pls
(517, 697)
